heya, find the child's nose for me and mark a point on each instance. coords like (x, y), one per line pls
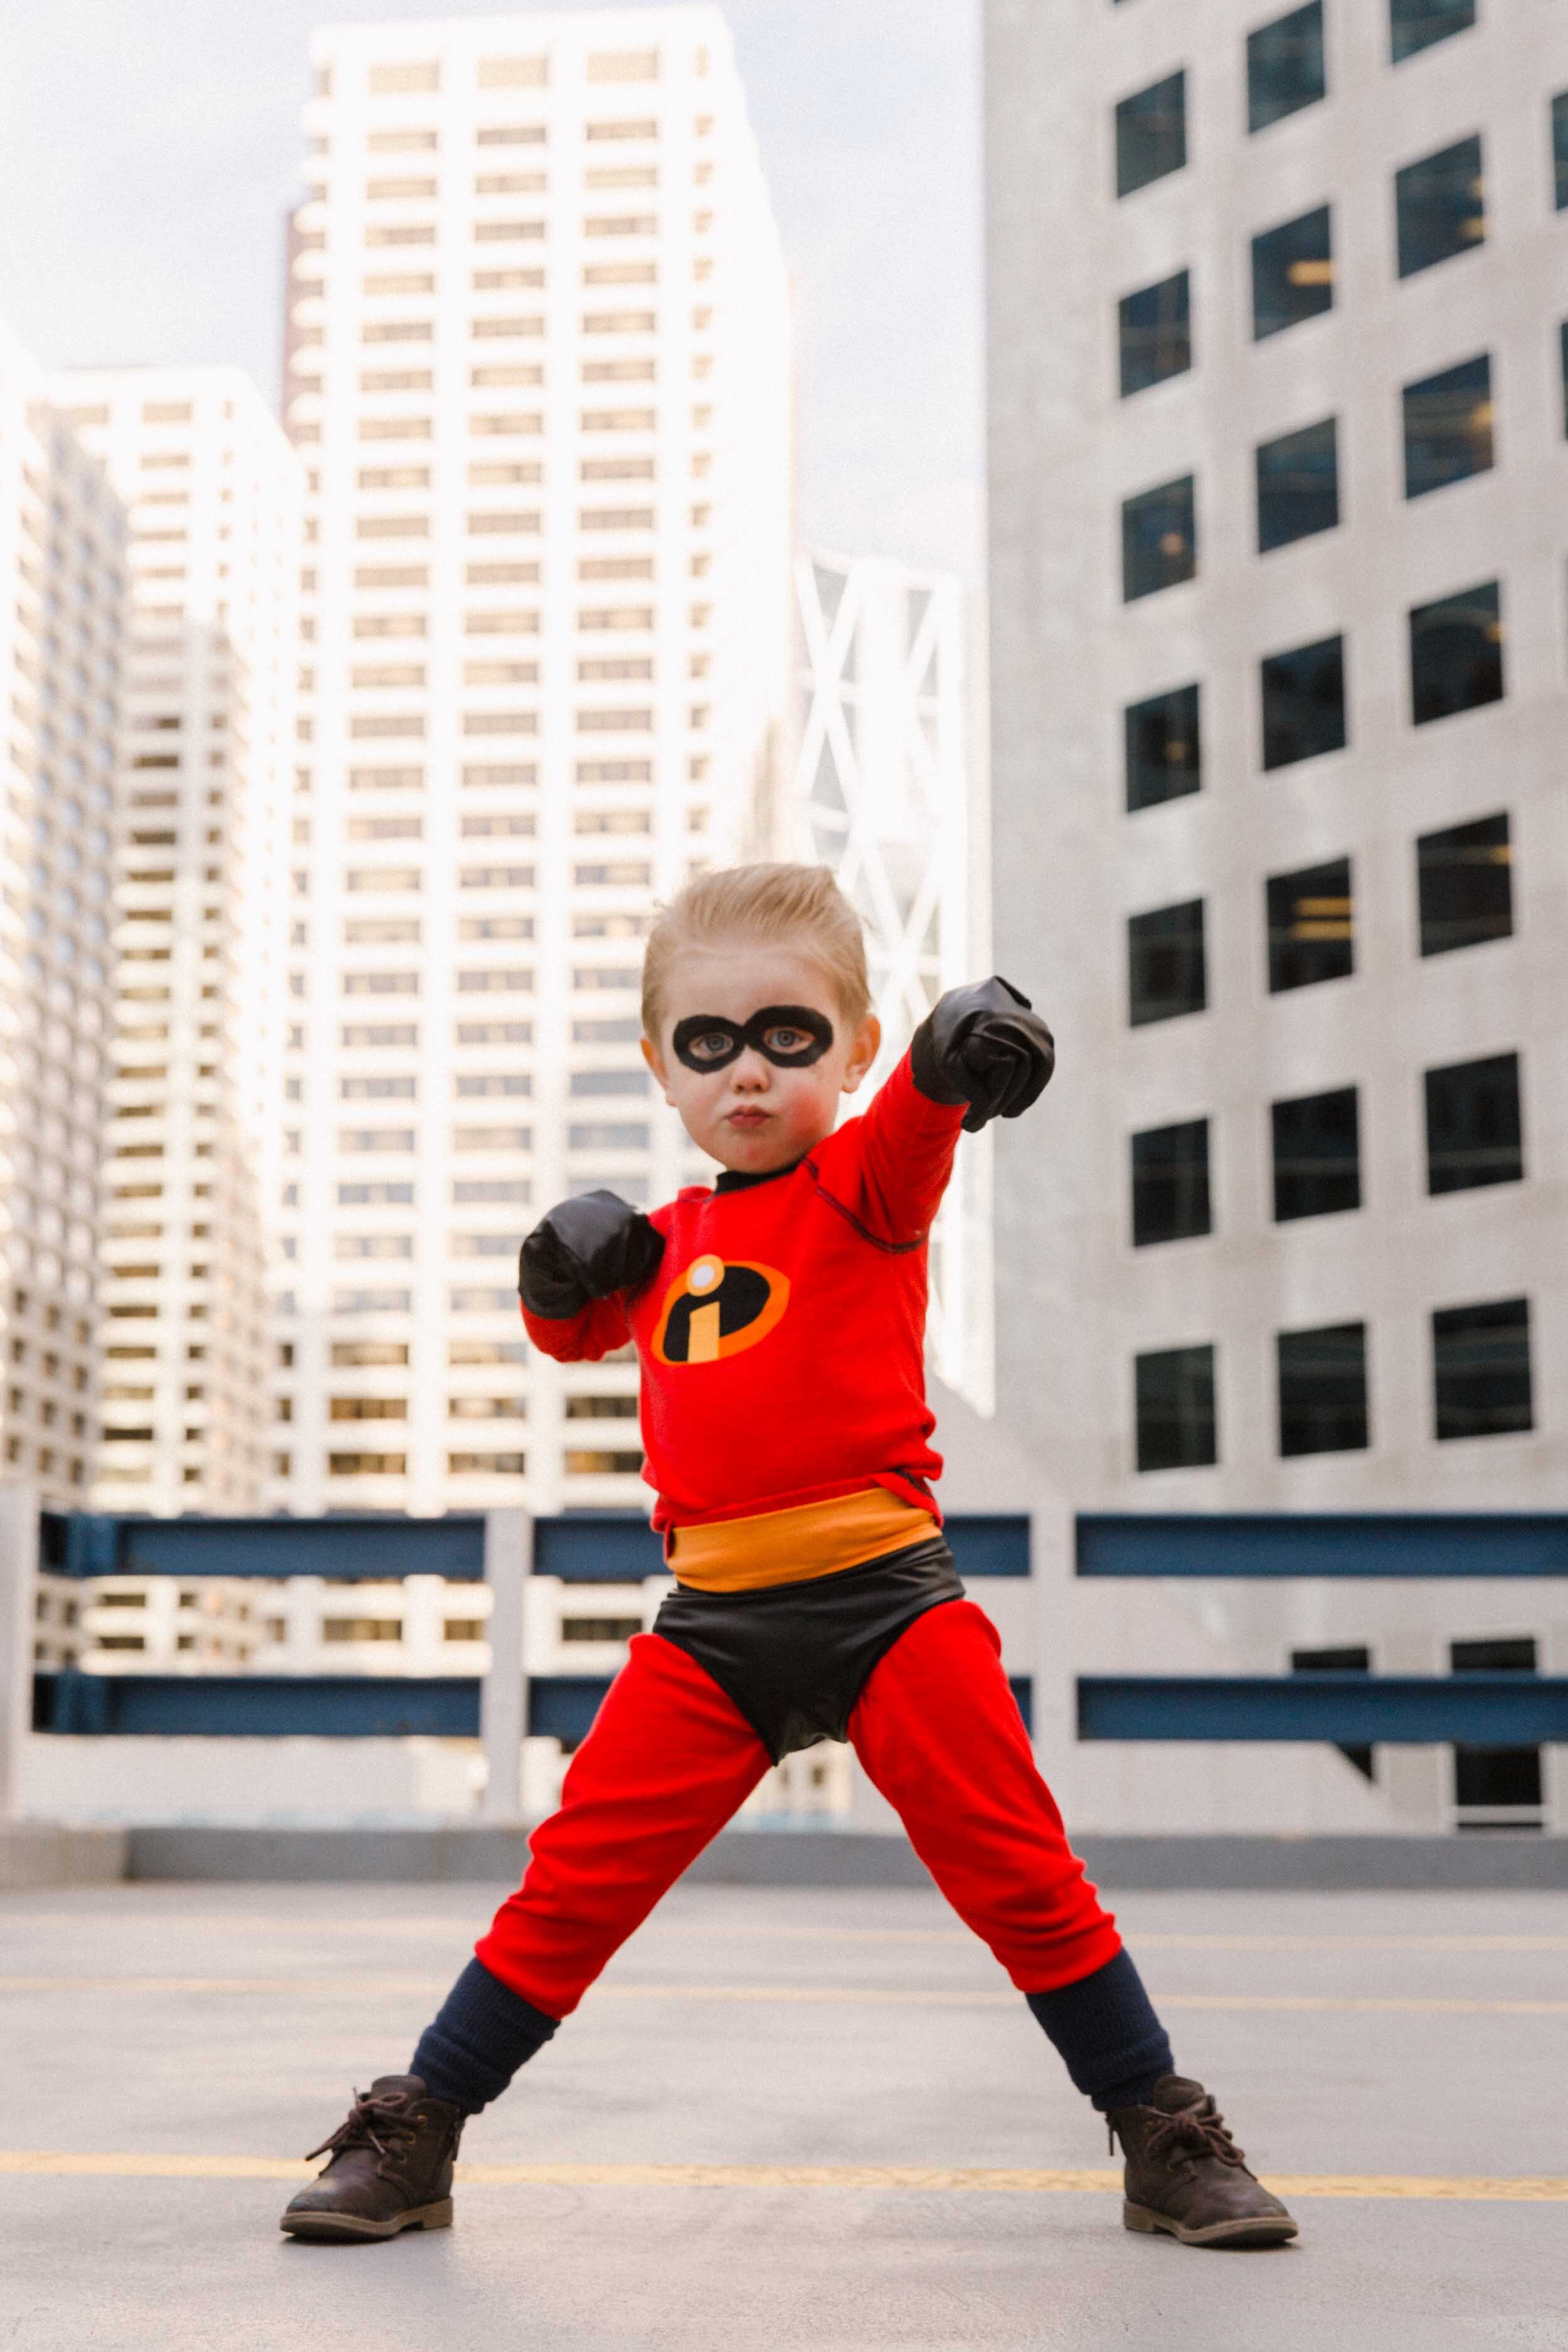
(753, 1070)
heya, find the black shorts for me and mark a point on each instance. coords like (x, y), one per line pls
(794, 1658)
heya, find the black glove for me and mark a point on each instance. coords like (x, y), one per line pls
(582, 1250)
(983, 1045)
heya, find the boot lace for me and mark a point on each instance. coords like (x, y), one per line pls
(371, 2122)
(1195, 2131)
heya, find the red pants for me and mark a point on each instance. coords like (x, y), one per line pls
(669, 1759)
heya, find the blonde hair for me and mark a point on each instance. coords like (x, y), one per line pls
(798, 907)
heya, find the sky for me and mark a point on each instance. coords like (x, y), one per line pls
(150, 150)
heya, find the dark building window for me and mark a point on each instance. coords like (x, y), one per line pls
(1473, 1130)
(1157, 333)
(1164, 750)
(1292, 273)
(1480, 1368)
(1298, 485)
(1440, 206)
(1317, 1155)
(1312, 925)
(1352, 1660)
(1455, 652)
(1496, 1788)
(1416, 24)
(1285, 69)
(1171, 1183)
(1166, 971)
(1447, 426)
(1322, 1390)
(1465, 880)
(1303, 694)
(1560, 151)
(1175, 1409)
(1151, 133)
(1159, 539)
(1562, 359)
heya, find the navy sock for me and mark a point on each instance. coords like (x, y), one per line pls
(481, 2034)
(1107, 2033)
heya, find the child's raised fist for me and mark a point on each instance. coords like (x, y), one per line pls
(983, 1045)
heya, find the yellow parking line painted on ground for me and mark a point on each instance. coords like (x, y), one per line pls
(1179, 1943)
(1438, 2005)
(369, 1987)
(90, 2165)
(441, 1929)
(51, 2164)
(359, 1987)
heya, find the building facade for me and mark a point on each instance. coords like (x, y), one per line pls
(207, 757)
(62, 563)
(885, 790)
(1278, 570)
(538, 358)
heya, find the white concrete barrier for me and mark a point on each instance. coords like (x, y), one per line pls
(19, 1580)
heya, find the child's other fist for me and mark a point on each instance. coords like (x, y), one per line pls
(586, 1249)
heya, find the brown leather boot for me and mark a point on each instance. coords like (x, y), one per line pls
(1185, 2175)
(391, 2167)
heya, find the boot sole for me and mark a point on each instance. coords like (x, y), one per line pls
(1262, 2230)
(343, 2227)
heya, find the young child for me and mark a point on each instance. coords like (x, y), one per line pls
(779, 1321)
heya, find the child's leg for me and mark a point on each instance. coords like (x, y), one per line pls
(667, 1761)
(939, 1732)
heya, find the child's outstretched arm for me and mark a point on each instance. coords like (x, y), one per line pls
(575, 1269)
(982, 1051)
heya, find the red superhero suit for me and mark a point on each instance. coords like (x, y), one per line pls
(780, 1338)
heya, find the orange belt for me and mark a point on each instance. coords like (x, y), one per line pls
(794, 1545)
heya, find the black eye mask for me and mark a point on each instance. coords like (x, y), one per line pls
(703, 1028)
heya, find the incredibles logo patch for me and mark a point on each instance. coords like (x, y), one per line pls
(715, 1309)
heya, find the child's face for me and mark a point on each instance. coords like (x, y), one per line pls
(756, 1103)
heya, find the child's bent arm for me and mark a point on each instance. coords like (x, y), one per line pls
(982, 1052)
(581, 1338)
(890, 1167)
(574, 1272)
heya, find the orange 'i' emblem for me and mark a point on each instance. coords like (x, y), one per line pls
(716, 1308)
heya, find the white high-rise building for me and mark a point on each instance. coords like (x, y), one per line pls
(885, 792)
(61, 588)
(539, 373)
(206, 761)
(1277, 387)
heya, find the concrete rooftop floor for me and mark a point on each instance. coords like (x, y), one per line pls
(1405, 2052)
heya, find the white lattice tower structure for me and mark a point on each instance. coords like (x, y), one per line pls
(882, 792)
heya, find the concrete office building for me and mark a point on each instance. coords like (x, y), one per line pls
(538, 372)
(61, 581)
(887, 790)
(1276, 432)
(206, 772)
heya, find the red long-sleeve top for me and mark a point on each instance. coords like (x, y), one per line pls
(782, 1337)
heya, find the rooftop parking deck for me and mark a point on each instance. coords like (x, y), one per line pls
(800, 2121)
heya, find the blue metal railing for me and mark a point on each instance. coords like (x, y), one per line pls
(1512, 1710)
(1346, 1709)
(1505, 1709)
(1322, 1543)
(579, 1548)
